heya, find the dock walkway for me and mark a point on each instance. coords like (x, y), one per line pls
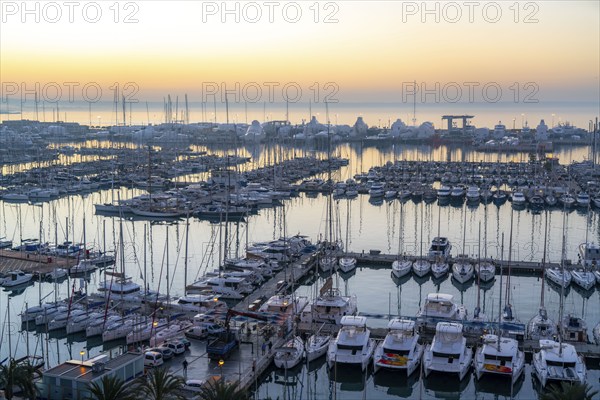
(374, 259)
(39, 264)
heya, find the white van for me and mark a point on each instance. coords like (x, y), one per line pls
(153, 359)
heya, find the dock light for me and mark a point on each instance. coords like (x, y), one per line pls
(155, 324)
(81, 353)
(216, 299)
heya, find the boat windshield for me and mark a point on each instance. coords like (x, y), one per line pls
(349, 347)
(446, 355)
(396, 351)
(560, 364)
(492, 357)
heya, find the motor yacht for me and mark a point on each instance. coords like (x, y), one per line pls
(353, 344)
(499, 356)
(448, 352)
(400, 350)
(556, 361)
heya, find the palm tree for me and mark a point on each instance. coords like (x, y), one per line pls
(569, 391)
(159, 384)
(217, 389)
(111, 388)
(20, 374)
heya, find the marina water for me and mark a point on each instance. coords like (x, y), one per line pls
(370, 227)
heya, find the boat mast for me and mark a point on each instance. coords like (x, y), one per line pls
(478, 308)
(145, 264)
(544, 259)
(185, 261)
(167, 244)
(509, 260)
(501, 273)
(562, 286)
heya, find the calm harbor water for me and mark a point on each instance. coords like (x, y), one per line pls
(369, 227)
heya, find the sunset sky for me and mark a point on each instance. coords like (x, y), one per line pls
(373, 47)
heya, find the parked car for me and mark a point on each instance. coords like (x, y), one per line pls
(165, 351)
(194, 385)
(153, 359)
(176, 347)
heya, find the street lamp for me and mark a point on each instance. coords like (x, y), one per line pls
(221, 363)
(81, 353)
(522, 120)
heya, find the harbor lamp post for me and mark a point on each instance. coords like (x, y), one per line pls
(221, 363)
(81, 353)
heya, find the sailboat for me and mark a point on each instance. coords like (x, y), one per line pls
(558, 361)
(540, 326)
(347, 263)
(401, 266)
(508, 314)
(290, 354)
(330, 247)
(422, 266)
(316, 346)
(462, 269)
(485, 269)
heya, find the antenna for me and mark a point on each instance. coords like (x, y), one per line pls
(414, 119)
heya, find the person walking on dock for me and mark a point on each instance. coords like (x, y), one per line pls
(264, 348)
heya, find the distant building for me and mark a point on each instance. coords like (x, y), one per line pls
(360, 128)
(541, 131)
(71, 379)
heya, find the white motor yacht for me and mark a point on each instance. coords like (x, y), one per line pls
(227, 288)
(440, 247)
(15, 278)
(499, 356)
(589, 254)
(329, 308)
(448, 352)
(440, 306)
(400, 350)
(556, 361)
(84, 266)
(353, 344)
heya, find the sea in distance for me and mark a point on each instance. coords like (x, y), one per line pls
(381, 114)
